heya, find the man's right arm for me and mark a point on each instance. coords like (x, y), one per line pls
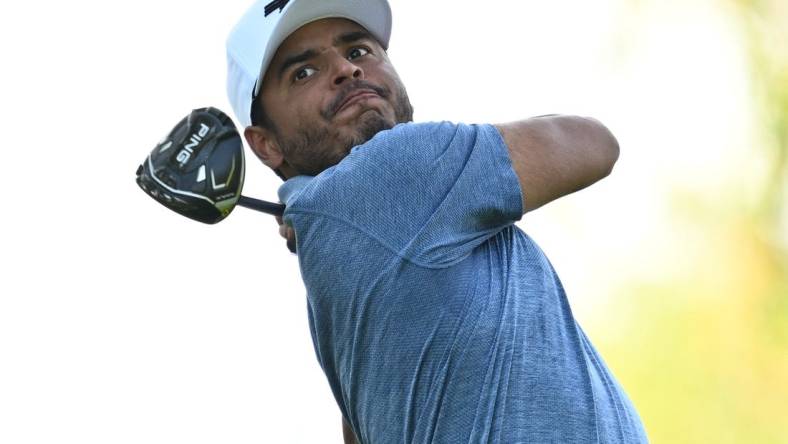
(557, 155)
(551, 156)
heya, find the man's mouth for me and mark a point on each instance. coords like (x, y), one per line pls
(356, 96)
(360, 90)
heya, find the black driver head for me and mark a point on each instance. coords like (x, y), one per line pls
(198, 169)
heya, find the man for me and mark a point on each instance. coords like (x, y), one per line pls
(434, 317)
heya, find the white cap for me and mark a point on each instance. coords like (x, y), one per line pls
(257, 36)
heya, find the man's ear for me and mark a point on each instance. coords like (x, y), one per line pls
(262, 142)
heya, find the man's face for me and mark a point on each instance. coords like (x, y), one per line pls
(329, 87)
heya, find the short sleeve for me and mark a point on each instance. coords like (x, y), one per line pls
(429, 192)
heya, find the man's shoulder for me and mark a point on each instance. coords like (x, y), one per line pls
(422, 134)
(398, 142)
(413, 132)
(402, 156)
(408, 145)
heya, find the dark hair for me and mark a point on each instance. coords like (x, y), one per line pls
(259, 116)
(261, 119)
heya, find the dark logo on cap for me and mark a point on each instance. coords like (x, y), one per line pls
(276, 4)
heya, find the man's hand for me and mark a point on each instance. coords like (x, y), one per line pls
(287, 232)
(557, 155)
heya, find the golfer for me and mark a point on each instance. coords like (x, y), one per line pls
(434, 318)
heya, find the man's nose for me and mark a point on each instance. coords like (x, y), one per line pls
(345, 70)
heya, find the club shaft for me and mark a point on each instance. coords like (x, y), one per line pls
(274, 209)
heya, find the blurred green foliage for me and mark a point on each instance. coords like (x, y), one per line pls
(707, 360)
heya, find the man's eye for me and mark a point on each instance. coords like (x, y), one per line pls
(357, 52)
(303, 73)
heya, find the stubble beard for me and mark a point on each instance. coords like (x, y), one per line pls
(306, 152)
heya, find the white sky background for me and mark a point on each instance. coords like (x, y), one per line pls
(123, 322)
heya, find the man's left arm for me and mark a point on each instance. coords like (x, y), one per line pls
(557, 155)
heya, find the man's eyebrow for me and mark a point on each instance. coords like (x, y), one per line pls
(295, 59)
(350, 37)
(342, 39)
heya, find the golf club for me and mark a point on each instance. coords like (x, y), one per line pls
(198, 169)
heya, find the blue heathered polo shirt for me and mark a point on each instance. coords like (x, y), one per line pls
(435, 318)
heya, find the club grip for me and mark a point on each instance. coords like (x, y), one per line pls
(261, 205)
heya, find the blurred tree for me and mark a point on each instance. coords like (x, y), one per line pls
(706, 359)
